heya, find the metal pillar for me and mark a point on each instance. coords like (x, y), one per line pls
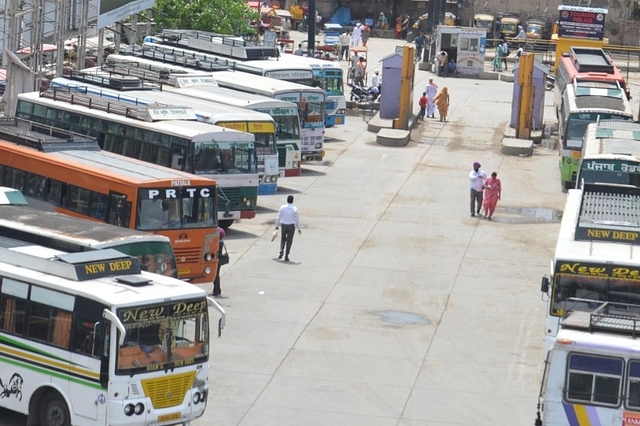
(527, 93)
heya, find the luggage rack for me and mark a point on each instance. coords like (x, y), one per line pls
(609, 316)
(230, 46)
(43, 137)
(182, 57)
(591, 60)
(609, 212)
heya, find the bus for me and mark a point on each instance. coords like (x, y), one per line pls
(596, 257)
(586, 102)
(311, 101)
(585, 64)
(261, 125)
(592, 372)
(173, 78)
(207, 151)
(611, 153)
(74, 177)
(71, 234)
(313, 72)
(90, 339)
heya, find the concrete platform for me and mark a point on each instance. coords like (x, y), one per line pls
(510, 133)
(376, 124)
(393, 137)
(523, 147)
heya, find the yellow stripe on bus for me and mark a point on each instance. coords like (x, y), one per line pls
(30, 356)
(581, 415)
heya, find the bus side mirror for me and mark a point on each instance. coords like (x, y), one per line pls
(544, 285)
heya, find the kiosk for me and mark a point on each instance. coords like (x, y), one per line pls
(465, 45)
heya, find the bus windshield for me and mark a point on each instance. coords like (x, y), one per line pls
(329, 80)
(287, 127)
(578, 122)
(163, 336)
(265, 143)
(216, 158)
(176, 208)
(153, 256)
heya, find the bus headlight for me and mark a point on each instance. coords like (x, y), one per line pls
(318, 145)
(128, 410)
(139, 408)
(197, 398)
(208, 257)
(342, 111)
(207, 270)
(295, 164)
(248, 203)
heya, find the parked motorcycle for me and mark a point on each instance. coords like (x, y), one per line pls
(363, 94)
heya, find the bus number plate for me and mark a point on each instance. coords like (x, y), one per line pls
(168, 417)
(184, 271)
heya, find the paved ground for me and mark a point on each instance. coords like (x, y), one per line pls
(398, 309)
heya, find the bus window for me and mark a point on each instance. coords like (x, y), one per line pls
(119, 211)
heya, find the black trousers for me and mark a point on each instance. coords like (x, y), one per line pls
(286, 238)
(475, 196)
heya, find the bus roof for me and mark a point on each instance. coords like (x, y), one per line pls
(195, 130)
(598, 99)
(262, 85)
(567, 248)
(612, 137)
(209, 109)
(38, 266)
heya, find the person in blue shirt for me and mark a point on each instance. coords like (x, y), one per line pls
(452, 68)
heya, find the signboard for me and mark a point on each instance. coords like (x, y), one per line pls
(586, 233)
(581, 22)
(110, 11)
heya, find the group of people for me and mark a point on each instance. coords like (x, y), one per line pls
(432, 98)
(402, 27)
(502, 51)
(485, 192)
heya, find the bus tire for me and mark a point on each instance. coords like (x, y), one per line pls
(54, 411)
(225, 223)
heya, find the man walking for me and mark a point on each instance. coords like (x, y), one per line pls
(289, 219)
(358, 73)
(345, 42)
(477, 179)
(431, 91)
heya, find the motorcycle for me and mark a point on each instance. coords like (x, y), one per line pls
(550, 82)
(363, 94)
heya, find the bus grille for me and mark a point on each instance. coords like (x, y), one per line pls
(168, 391)
(230, 196)
(282, 156)
(187, 255)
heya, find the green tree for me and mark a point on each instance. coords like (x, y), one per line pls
(219, 16)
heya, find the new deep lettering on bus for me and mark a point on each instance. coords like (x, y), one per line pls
(578, 268)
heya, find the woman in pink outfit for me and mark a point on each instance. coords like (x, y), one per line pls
(492, 193)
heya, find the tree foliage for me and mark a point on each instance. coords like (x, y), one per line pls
(219, 16)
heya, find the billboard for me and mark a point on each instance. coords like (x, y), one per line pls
(110, 11)
(581, 22)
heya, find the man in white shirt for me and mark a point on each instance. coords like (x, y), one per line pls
(477, 179)
(431, 91)
(345, 41)
(289, 219)
(357, 34)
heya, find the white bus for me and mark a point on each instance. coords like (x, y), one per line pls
(226, 155)
(311, 101)
(72, 234)
(90, 339)
(261, 125)
(611, 153)
(592, 372)
(596, 258)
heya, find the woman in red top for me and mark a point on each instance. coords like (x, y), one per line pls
(492, 193)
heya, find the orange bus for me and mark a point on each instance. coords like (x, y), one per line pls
(71, 175)
(585, 64)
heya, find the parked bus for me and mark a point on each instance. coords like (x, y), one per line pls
(71, 234)
(90, 339)
(597, 257)
(592, 372)
(177, 79)
(611, 153)
(226, 155)
(585, 64)
(586, 102)
(75, 177)
(261, 125)
(313, 72)
(310, 100)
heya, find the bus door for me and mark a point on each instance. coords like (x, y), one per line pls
(118, 210)
(178, 154)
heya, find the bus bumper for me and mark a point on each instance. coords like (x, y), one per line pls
(313, 155)
(267, 188)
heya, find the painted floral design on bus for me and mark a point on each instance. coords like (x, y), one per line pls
(14, 387)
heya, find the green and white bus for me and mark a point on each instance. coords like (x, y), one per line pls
(90, 339)
(583, 103)
(611, 153)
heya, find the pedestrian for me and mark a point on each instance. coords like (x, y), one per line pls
(431, 91)
(521, 34)
(223, 259)
(442, 102)
(492, 193)
(505, 53)
(357, 34)
(366, 33)
(497, 59)
(398, 32)
(519, 53)
(298, 50)
(286, 27)
(423, 101)
(477, 179)
(289, 219)
(358, 73)
(419, 41)
(405, 26)
(382, 21)
(442, 57)
(345, 42)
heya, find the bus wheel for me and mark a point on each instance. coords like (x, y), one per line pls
(54, 411)
(225, 223)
